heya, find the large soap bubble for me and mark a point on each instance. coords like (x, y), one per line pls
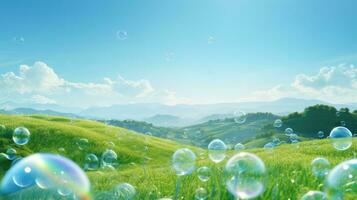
(320, 167)
(314, 195)
(184, 161)
(124, 191)
(341, 182)
(21, 136)
(217, 150)
(341, 138)
(39, 174)
(245, 175)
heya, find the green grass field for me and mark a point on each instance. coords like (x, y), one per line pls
(149, 171)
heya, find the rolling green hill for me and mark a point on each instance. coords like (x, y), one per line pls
(289, 173)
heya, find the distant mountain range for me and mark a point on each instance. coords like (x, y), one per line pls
(181, 114)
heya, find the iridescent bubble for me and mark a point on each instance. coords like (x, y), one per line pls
(11, 153)
(314, 195)
(239, 147)
(239, 117)
(341, 182)
(289, 131)
(245, 176)
(217, 150)
(91, 162)
(124, 191)
(109, 158)
(122, 35)
(278, 123)
(320, 134)
(45, 171)
(201, 194)
(21, 136)
(341, 138)
(320, 167)
(183, 161)
(82, 143)
(204, 173)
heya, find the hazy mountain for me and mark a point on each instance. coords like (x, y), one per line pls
(30, 111)
(168, 121)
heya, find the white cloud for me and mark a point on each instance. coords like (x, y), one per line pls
(337, 84)
(40, 84)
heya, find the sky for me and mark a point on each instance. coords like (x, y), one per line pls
(100, 53)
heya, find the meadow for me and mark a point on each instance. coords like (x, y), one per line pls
(145, 161)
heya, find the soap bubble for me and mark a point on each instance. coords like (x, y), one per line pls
(109, 158)
(293, 137)
(82, 143)
(341, 138)
(2, 129)
(320, 167)
(239, 117)
(183, 161)
(91, 162)
(124, 191)
(278, 123)
(289, 131)
(341, 182)
(217, 150)
(201, 194)
(314, 195)
(21, 136)
(239, 147)
(204, 173)
(45, 171)
(245, 175)
(122, 35)
(320, 134)
(11, 153)
(276, 141)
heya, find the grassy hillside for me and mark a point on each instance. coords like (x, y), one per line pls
(289, 174)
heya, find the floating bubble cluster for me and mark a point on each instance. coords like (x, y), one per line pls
(341, 138)
(278, 123)
(124, 191)
(245, 175)
(239, 117)
(239, 147)
(40, 172)
(320, 167)
(201, 194)
(314, 195)
(217, 150)
(21, 136)
(341, 182)
(204, 173)
(184, 161)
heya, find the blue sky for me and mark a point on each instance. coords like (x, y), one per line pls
(202, 51)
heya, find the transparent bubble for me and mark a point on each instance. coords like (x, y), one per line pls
(11, 153)
(122, 35)
(239, 147)
(201, 194)
(320, 134)
(269, 145)
(91, 162)
(21, 136)
(217, 150)
(289, 131)
(239, 117)
(210, 40)
(320, 167)
(278, 123)
(82, 143)
(110, 144)
(293, 137)
(109, 158)
(341, 138)
(124, 191)
(183, 161)
(341, 182)
(204, 173)
(169, 56)
(314, 195)
(16, 160)
(2, 129)
(45, 171)
(245, 175)
(276, 141)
